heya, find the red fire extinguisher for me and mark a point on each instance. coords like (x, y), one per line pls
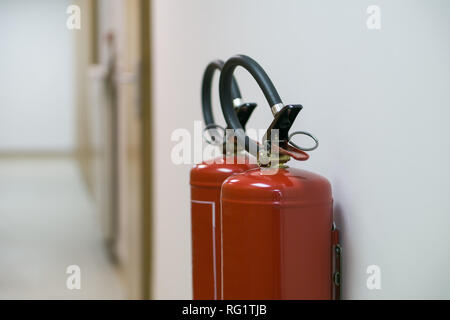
(206, 180)
(278, 239)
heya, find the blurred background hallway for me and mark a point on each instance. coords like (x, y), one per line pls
(49, 223)
(73, 115)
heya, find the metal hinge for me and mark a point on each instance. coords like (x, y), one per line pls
(336, 260)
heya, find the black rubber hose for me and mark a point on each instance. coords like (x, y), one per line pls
(208, 75)
(226, 98)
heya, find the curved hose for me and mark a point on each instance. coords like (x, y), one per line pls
(206, 91)
(226, 98)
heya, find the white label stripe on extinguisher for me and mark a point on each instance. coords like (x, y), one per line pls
(221, 250)
(213, 231)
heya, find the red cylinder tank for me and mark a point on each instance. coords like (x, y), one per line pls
(276, 236)
(206, 182)
(277, 222)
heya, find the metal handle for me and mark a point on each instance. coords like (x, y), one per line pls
(226, 98)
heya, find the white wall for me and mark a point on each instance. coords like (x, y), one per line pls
(379, 101)
(37, 76)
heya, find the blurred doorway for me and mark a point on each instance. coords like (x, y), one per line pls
(117, 105)
(74, 138)
(48, 217)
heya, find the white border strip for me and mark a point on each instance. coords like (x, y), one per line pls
(221, 249)
(213, 230)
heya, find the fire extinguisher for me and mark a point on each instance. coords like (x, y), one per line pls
(278, 237)
(206, 180)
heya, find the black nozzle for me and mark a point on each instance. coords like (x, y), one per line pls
(226, 98)
(244, 112)
(283, 122)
